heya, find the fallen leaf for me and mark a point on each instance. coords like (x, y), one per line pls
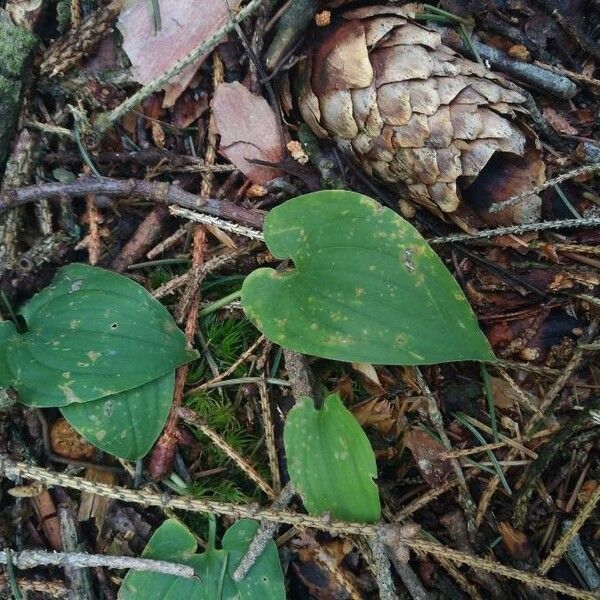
(249, 130)
(515, 541)
(185, 24)
(426, 452)
(380, 414)
(558, 122)
(66, 442)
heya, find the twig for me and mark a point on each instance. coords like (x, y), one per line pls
(167, 242)
(570, 74)
(587, 44)
(544, 80)
(163, 454)
(300, 376)
(265, 532)
(209, 266)
(267, 418)
(576, 359)
(521, 396)
(516, 230)
(19, 469)
(145, 236)
(189, 416)
(545, 455)
(29, 559)
(496, 568)
(578, 556)
(79, 579)
(464, 496)
(380, 565)
(571, 532)
(159, 192)
(104, 121)
(221, 376)
(197, 217)
(583, 170)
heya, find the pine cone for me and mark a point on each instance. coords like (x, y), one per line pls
(411, 111)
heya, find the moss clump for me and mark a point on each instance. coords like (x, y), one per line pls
(16, 47)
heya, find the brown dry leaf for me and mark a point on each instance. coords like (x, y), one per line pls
(316, 559)
(504, 395)
(426, 451)
(158, 134)
(587, 490)
(66, 442)
(249, 130)
(185, 24)
(378, 413)
(558, 122)
(515, 541)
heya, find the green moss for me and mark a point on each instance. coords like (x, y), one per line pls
(16, 44)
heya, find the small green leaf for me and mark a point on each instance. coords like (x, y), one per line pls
(7, 330)
(125, 424)
(366, 287)
(92, 334)
(331, 462)
(214, 568)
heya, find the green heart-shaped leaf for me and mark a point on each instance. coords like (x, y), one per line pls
(331, 462)
(366, 287)
(215, 568)
(126, 424)
(92, 334)
(7, 330)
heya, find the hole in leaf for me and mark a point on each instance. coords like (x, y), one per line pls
(114, 325)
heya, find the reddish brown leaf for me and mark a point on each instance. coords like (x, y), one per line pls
(558, 122)
(184, 25)
(426, 452)
(515, 541)
(249, 130)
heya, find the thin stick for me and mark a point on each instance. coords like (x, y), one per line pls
(265, 532)
(563, 543)
(464, 496)
(496, 568)
(583, 170)
(104, 121)
(29, 559)
(229, 371)
(516, 229)
(159, 192)
(380, 566)
(209, 266)
(197, 217)
(267, 417)
(19, 469)
(189, 416)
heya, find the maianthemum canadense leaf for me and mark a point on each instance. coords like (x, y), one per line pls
(7, 330)
(125, 424)
(92, 334)
(331, 462)
(366, 287)
(214, 568)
